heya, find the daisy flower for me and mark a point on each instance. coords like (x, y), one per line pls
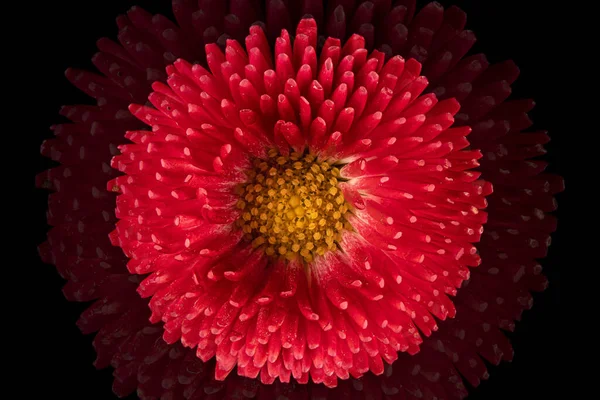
(217, 200)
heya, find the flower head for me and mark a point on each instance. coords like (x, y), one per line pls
(298, 214)
(81, 210)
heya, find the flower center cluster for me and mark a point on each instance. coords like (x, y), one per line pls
(292, 206)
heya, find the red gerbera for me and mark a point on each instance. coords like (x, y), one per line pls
(82, 211)
(298, 214)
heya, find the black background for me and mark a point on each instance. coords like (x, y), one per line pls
(63, 34)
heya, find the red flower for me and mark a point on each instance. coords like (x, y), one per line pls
(81, 210)
(304, 219)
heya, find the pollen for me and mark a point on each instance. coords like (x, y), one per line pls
(291, 206)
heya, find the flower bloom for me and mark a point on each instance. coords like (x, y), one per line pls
(298, 214)
(81, 211)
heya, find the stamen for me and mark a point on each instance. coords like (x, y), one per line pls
(291, 206)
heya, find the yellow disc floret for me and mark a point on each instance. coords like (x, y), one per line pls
(291, 206)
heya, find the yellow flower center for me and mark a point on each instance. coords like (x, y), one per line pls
(292, 206)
